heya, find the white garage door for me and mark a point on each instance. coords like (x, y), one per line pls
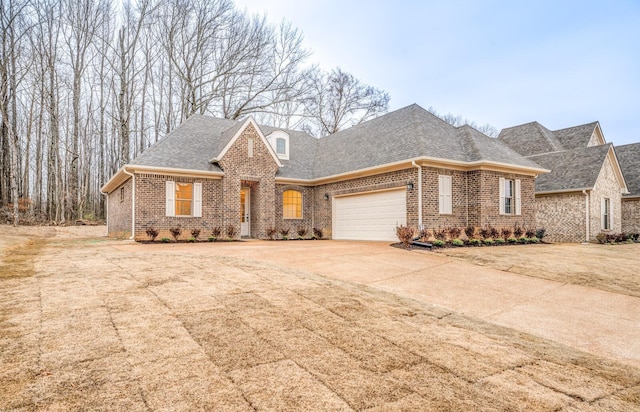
(371, 216)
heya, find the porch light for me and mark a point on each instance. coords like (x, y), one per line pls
(326, 196)
(409, 186)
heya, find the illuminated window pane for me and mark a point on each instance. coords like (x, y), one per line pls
(184, 198)
(292, 204)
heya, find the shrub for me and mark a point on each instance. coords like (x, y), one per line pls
(601, 238)
(494, 233)
(489, 242)
(165, 240)
(191, 239)
(500, 241)
(533, 240)
(317, 233)
(405, 235)
(211, 239)
(457, 242)
(152, 233)
(506, 233)
(231, 231)
(470, 231)
(176, 232)
(271, 233)
(475, 242)
(424, 235)
(541, 233)
(518, 231)
(635, 236)
(621, 237)
(454, 232)
(215, 232)
(522, 239)
(440, 234)
(437, 243)
(484, 233)
(512, 240)
(530, 233)
(195, 233)
(302, 231)
(284, 233)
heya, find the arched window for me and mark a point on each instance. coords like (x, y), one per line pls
(292, 204)
(281, 146)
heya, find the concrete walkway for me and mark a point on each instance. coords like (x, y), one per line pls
(599, 322)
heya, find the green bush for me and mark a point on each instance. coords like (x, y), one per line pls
(533, 240)
(512, 240)
(500, 241)
(165, 240)
(191, 239)
(489, 242)
(475, 242)
(438, 243)
(457, 242)
(522, 239)
(211, 238)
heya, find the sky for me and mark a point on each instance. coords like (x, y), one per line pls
(561, 63)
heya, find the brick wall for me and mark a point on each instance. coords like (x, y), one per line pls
(151, 206)
(308, 198)
(631, 215)
(431, 217)
(257, 172)
(119, 208)
(606, 187)
(563, 216)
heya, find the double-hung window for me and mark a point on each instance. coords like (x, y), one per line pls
(183, 199)
(606, 214)
(292, 204)
(510, 197)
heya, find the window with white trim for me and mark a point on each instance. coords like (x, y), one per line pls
(183, 199)
(281, 146)
(606, 214)
(279, 141)
(510, 203)
(444, 195)
(291, 204)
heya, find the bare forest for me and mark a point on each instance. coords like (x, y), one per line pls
(87, 85)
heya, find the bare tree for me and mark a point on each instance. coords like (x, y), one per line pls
(338, 100)
(458, 120)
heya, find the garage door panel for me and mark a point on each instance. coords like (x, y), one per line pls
(371, 216)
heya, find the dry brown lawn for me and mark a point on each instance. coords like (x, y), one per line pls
(614, 268)
(86, 324)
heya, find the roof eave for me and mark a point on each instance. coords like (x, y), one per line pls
(567, 190)
(122, 175)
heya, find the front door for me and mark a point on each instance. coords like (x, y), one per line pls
(245, 212)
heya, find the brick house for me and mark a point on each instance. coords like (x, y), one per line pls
(582, 195)
(629, 157)
(406, 167)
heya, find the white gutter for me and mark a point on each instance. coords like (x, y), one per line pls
(133, 203)
(587, 223)
(414, 164)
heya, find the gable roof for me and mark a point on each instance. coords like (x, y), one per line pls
(577, 136)
(530, 139)
(231, 135)
(571, 170)
(629, 159)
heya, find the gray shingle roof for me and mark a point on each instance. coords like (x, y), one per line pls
(404, 134)
(629, 159)
(571, 169)
(530, 139)
(575, 137)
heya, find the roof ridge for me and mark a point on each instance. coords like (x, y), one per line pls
(553, 141)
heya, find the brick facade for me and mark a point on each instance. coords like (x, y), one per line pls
(631, 215)
(563, 216)
(608, 187)
(119, 208)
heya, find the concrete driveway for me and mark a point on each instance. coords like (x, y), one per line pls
(599, 322)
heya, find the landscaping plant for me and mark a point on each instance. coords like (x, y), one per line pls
(440, 234)
(284, 233)
(506, 233)
(517, 231)
(405, 235)
(457, 242)
(215, 232)
(152, 233)
(437, 243)
(470, 231)
(195, 233)
(424, 235)
(231, 231)
(176, 232)
(271, 233)
(454, 232)
(301, 232)
(494, 233)
(530, 233)
(484, 233)
(317, 233)
(540, 233)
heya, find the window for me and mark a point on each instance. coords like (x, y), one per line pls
(444, 193)
(281, 146)
(292, 204)
(279, 141)
(606, 214)
(510, 197)
(122, 194)
(183, 199)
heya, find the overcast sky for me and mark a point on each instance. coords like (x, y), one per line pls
(561, 63)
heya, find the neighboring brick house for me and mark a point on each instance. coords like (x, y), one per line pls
(629, 157)
(406, 167)
(581, 197)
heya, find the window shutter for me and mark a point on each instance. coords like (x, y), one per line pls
(502, 195)
(444, 198)
(170, 198)
(197, 200)
(518, 206)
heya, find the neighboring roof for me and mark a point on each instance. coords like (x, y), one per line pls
(629, 159)
(575, 169)
(530, 139)
(576, 137)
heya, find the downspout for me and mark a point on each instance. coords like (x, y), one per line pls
(414, 164)
(587, 223)
(133, 203)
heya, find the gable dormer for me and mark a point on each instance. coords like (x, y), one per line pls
(279, 141)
